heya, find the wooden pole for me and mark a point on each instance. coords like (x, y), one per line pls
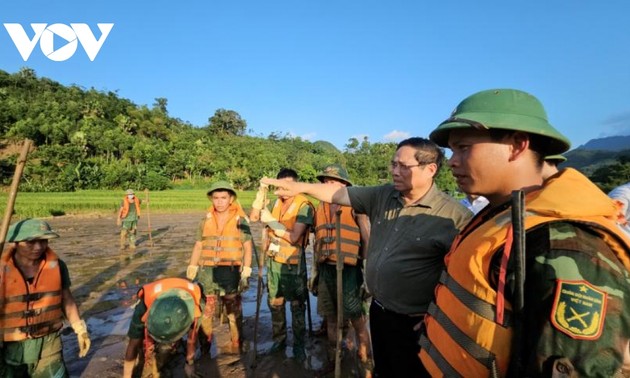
(19, 168)
(146, 192)
(339, 295)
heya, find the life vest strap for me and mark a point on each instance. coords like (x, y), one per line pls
(30, 313)
(482, 355)
(31, 297)
(438, 359)
(478, 306)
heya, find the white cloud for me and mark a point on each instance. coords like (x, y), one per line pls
(396, 136)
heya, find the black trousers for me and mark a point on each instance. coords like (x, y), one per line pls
(395, 344)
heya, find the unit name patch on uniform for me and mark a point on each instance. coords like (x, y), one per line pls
(579, 309)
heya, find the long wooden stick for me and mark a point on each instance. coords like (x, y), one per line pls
(19, 168)
(260, 258)
(146, 192)
(339, 294)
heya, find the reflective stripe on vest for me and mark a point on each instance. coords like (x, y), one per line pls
(221, 246)
(326, 234)
(30, 310)
(288, 253)
(150, 292)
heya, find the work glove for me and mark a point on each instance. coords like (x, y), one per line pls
(191, 271)
(83, 338)
(278, 228)
(259, 201)
(245, 274)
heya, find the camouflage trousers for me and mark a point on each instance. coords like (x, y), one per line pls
(37, 358)
(128, 232)
(286, 285)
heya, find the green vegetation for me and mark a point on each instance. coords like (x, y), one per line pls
(108, 202)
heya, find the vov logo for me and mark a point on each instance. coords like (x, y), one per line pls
(45, 35)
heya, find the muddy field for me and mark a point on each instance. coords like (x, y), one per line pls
(105, 281)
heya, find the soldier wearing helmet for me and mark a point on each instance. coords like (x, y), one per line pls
(167, 309)
(35, 299)
(221, 261)
(128, 216)
(575, 319)
(355, 233)
(288, 221)
(413, 224)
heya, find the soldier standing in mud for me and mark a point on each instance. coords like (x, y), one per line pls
(323, 282)
(167, 310)
(288, 224)
(35, 298)
(221, 261)
(128, 216)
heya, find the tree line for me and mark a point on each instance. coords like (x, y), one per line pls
(90, 139)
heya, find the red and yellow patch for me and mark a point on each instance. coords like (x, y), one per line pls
(579, 309)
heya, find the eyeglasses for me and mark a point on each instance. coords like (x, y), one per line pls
(403, 167)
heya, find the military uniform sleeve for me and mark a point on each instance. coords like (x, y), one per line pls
(306, 215)
(577, 307)
(245, 230)
(199, 233)
(136, 327)
(65, 275)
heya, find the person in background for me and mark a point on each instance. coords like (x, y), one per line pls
(323, 282)
(574, 320)
(413, 224)
(221, 261)
(35, 299)
(288, 225)
(550, 166)
(621, 196)
(167, 309)
(128, 216)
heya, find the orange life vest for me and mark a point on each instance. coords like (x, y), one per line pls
(288, 253)
(326, 235)
(152, 291)
(468, 331)
(222, 245)
(124, 210)
(30, 310)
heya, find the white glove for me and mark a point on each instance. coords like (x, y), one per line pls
(259, 201)
(246, 272)
(83, 338)
(191, 271)
(278, 228)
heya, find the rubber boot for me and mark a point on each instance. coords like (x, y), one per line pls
(279, 328)
(132, 240)
(234, 311)
(205, 331)
(298, 313)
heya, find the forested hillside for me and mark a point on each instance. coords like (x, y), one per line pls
(89, 139)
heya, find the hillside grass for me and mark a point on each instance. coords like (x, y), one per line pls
(28, 205)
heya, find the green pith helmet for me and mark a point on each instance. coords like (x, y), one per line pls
(335, 171)
(221, 184)
(555, 159)
(30, 229)
(130, 191)
(506, 109)
(170, 316)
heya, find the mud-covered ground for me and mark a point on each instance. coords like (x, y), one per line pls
(105, 281)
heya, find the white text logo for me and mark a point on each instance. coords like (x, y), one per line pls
(45, 35)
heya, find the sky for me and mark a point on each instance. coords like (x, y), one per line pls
(335, 70)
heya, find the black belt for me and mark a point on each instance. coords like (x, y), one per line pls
(380, 305)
